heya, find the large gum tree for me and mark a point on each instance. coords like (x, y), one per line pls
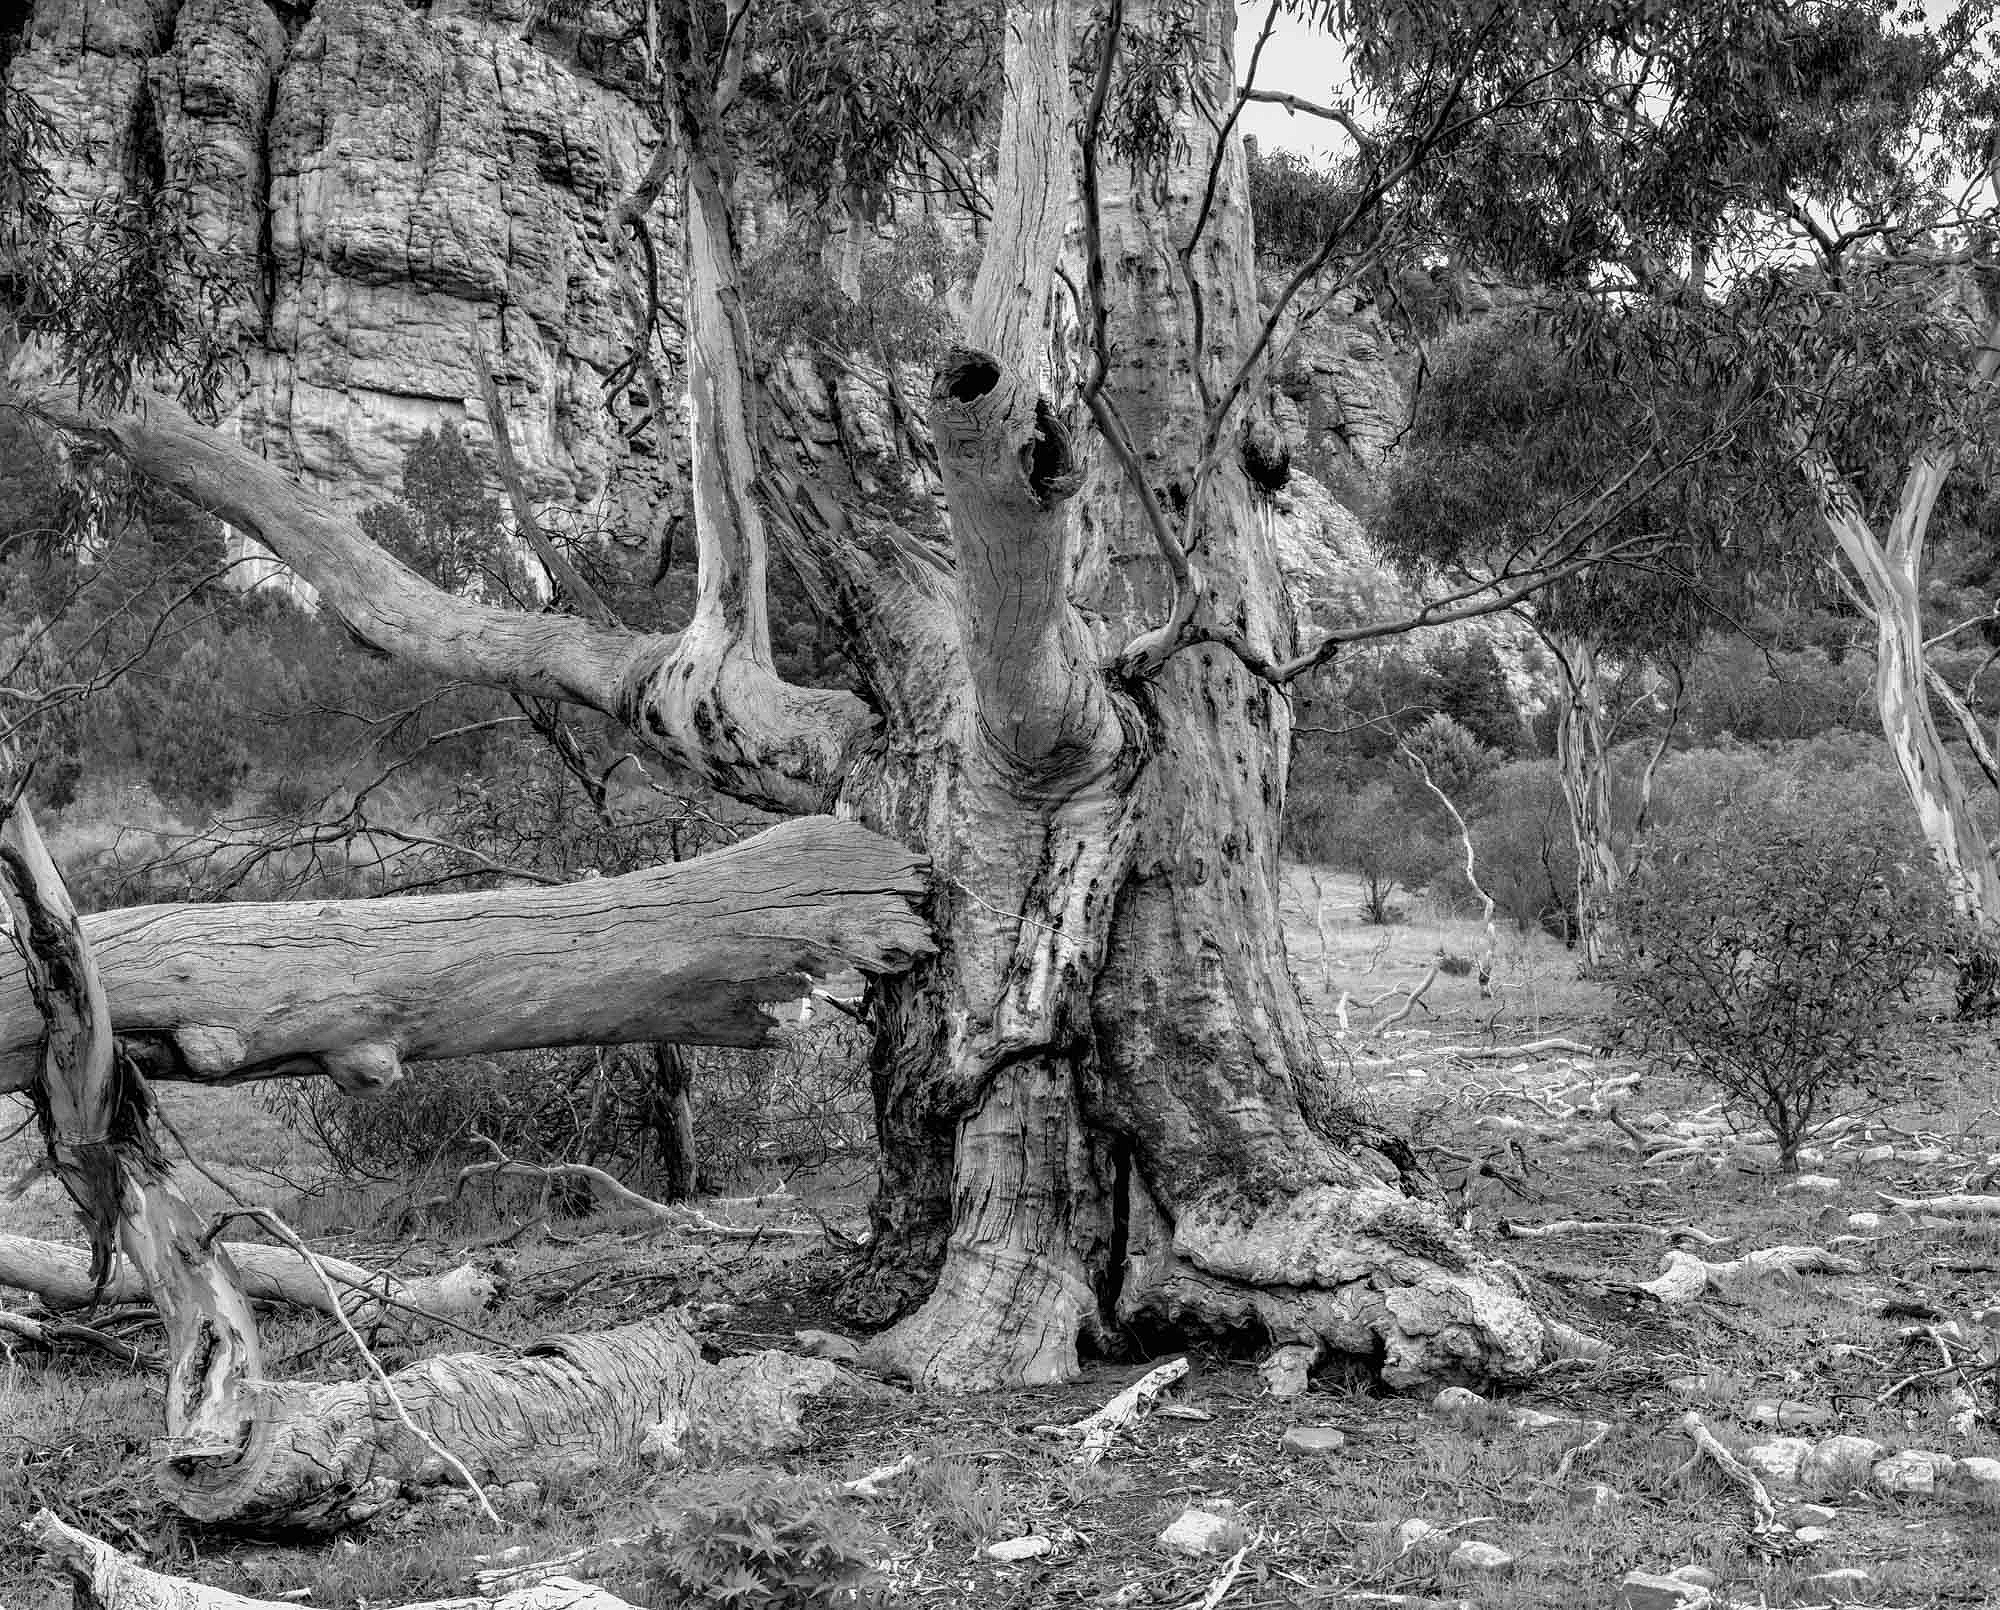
(1099, 1110)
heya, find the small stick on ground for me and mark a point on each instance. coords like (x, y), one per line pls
(1568, 1460)
(1096, 1433)
(1219, 1589)
(1764, 1521)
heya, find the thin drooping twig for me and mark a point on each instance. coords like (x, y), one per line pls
(286, 1234)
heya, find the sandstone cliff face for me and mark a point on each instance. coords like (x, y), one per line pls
(381, 189)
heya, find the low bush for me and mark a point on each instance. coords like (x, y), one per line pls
(762, 1540)
(1768, 946)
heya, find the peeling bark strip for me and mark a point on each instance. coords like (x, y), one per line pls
(691, 953)
(105, 1579)
(61, 1277)
(94, 1117)
(326, 1456)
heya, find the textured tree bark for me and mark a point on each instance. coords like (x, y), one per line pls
(1889, 570)
(324, 1457)
(1107, 1060)
(673, 1124)
(94, 1114)
(1583, 762)
(707, 698)
(61, 1277)
(691, 952)
(105, 1579)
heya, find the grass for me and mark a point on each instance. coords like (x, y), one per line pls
(73, 1432)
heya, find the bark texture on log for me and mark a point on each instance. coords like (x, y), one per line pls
(103, 1578)
(61, 1277)
(692, 952)
(321, 1457)
(94, 1113)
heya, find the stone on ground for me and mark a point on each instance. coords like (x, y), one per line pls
(1812, 1515)
(1489, 1559)
(1421, 1535)
(1840, 1461)
(828, 1345)
(1813, 1185)
(1781, 1459)
(1787, 1414)
(1197, 1532)
(1458, 1402)
(1842, 1585)
(1700, 1575)
(1641, 1590)
(1593, 1498)
(1019, 1548)
(1317, 1440)
(1813, 1536)
(1976, 1478)
(1915, 1470)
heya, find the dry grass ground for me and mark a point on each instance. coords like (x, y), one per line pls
(73, 1430)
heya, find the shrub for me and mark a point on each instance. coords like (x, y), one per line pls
(1524, 848)
(1379, 834)
(754, 1540)
(1768, 946)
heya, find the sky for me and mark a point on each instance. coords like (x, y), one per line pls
(1299, 60)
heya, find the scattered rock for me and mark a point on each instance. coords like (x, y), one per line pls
(1537, 1420)
(1840, 1461)
(1845, 1583)
(1812, 1515)
(1593, 1498)
(827, 1344)
(1286, 1371)
(1700, 1575)
(1865, 1223)
(1487, 1558)
(1915, 1470)
(1812, 1185)
(1459, 1402)
(1320, 1440)
(1787, 1414)
(1813, 1536)
(1781, 1459)
(1420, 1536)
(1877, 1154)
(1197, 1532)
(1977, 1478)
(1702, 1388)
(1641, 1590)
(1021, 1548)
(522, 1494)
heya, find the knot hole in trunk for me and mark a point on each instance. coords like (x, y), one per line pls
(965, 375)
(1046, 458)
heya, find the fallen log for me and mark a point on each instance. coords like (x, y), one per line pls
(1683, 1277)
(321, 1457)
(60, 1276)
(105, 1579)
(1946, 1207)
(695, 952)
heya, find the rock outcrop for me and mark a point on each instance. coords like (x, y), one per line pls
(377, 192)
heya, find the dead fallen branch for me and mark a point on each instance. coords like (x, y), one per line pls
(1764, 1514)
(1095, 1433)
(60, 1276)
(106, 1579)
(614, 1193)
(1683, 1277)
(694, 953)
(326, 1456)
(1946, 1207)
(1509, 1230)
(53, 1333)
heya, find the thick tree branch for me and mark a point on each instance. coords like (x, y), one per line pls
(692, 952)
(705, 699)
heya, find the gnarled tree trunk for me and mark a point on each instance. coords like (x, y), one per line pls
(1107, 1059)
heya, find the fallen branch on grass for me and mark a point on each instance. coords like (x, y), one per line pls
(1683, 1277)
(1509, 1230)
(106, 1579)
(614, 1193)
(1946, 1207)
(1094, 1434)
(1764, 1514)
(52, 1333)
(60, 1276)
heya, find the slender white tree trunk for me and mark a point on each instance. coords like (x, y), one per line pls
(1583, 762)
